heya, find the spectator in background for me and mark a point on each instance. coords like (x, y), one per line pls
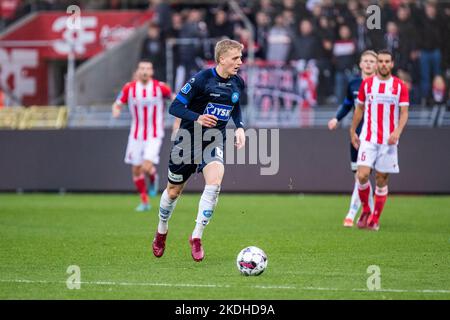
(267, 7)
(220, 26)
(306, 45)
(194, 30)
(8, 11)
(429, 44)
(278, 41)
(325, 32)
(414, 95)
(446, 49)
(439, 91)
(361, 34)
(176, 25)
(154, 50)
(162, 13)
(344, 57)
(407, 51)
(289, 20)
(261, 33)
(392, 40)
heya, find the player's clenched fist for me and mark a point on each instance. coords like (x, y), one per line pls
(207, 120)
(355, 141)
(115, 110)
(240, 138)
(393, 138)
(332, 124)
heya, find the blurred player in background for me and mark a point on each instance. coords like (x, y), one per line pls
(383, 102)
(208, 100)
(145, 99)
(367, 64)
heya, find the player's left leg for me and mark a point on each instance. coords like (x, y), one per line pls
(141, 187)
(150, 170)
(355, 202)
(213, 173)
(151, 159)
(386, 163)
(381, 193)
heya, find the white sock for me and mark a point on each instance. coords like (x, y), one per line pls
(166, 207)
(371, 204)
(206, 206)
(355, 203)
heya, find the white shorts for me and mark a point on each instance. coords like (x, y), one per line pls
(138, 151)
(383, 158)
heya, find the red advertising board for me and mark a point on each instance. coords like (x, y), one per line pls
(25, 49)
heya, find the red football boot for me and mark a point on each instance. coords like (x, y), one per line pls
(196, 249)
(159, 244)
(362, 221)
(373, 222)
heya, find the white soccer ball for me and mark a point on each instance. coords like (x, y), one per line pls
(251, 261)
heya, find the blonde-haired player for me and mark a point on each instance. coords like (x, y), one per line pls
(367, 64)
(207, 101)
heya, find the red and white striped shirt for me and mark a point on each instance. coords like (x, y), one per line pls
(382, 100)
(146, 104)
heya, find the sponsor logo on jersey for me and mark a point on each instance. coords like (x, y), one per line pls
(192, 80)
(221, 111)
(187, 87)
(235, 97)
(214, 94)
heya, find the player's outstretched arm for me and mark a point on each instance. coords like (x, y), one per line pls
(357, 116)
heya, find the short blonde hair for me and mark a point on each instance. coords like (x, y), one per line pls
(224, 45)
(369, 52)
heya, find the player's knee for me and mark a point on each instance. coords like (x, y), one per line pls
(362, 176)
(173, 192)
(381, 179)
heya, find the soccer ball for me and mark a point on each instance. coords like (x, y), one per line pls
(251, 261)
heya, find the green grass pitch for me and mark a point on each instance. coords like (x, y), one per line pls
(311, 256)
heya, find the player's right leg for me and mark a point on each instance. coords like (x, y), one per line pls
(213, 173)
(141, 187)
(133, 157)
(355, 203)
(178, 174)
(167, 204)
(367, 155)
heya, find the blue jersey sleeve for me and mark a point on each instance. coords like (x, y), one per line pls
(236, 114)
(347, 105)
(180, 106)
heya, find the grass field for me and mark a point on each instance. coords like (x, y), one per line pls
(311, 256)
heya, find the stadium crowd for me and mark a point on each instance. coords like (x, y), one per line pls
(332, 33)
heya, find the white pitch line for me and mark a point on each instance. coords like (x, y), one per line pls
(190, 285)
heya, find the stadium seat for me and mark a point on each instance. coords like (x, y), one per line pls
(44, 117)
(10, 117)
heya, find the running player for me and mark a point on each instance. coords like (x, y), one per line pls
(205, 103)
(145, 99)
(383, 101)
(367, 64)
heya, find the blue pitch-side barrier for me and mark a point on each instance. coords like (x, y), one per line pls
(309, 160)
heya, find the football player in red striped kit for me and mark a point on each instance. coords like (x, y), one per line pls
(145, 99)
(383, 101)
